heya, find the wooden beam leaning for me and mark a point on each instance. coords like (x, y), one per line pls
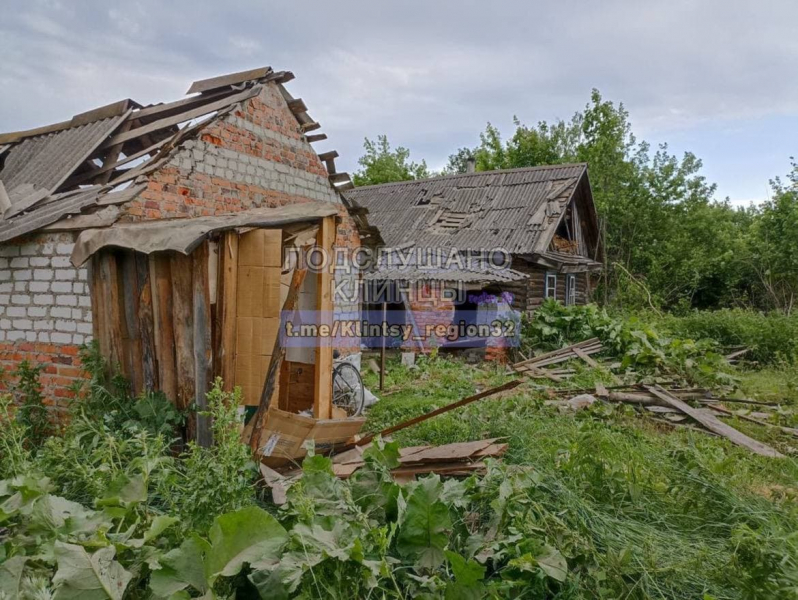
(201, 321)
(444, 409)
(714, 424)
(226, 304)
(278, 354)
(322, 396)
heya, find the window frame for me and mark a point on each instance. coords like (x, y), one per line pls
(550, 288)
(570, 289)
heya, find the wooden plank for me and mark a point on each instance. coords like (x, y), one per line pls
(278, 354)
(107, 167)
(131, 341)
(163, 315)
(322, 396)
(713, 424)
(559, 351)
(439, 411)
(146, 324)
(179, 118)
(113, 312)
(226, 307)
(318, 137)
(586, 357)
(726, 411)
(201, 326)
(213, 83)
(182, 314)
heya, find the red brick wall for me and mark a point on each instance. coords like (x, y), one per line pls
(61, 368)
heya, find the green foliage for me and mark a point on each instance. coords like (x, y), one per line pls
(31, 412)
(13, 442)
(771, 337)
(219, 478)
(381, 164)
(637, 344)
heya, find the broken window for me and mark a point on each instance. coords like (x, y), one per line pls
(570, 290)
(551, 285)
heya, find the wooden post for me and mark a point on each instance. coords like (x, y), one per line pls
(278, 354)
(202, 342)
(226, 303)
(382, 349)
(322, 396)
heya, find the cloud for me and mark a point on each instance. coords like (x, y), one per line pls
(428, 74)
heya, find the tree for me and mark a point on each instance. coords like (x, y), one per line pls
(774, 243)
(380, 164)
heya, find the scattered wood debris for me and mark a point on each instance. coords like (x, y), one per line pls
(452, 460)
(671, 407)
(533, 367)
(735, 354)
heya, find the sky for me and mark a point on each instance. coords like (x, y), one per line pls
(717, 78)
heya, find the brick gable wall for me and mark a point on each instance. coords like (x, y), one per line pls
(255, 156)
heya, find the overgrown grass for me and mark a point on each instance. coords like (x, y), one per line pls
(660, 513)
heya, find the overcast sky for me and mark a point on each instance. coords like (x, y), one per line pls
(719, 78)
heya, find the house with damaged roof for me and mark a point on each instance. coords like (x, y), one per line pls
(163, 232)
(471, 247)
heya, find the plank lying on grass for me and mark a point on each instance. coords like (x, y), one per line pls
(713, 424)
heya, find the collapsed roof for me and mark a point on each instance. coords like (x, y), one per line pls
(82, 168)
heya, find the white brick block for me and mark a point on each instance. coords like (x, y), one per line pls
(85, 328)
(16, 311)
(20, 299)
(39, 261)
(84, 301)
(5, 275)
(3, 263)
(66, 326)
(6, 287)
(43, 299)
(37, 311)
(64, 249)
(83, 274)
(47, 248)
(39, 286)
(23, 324)
(20, 286)
(65, 274)
(29, 250)
(5, 324)
(77, 314)
(30, 336)
(43, 325)
(61, 338)
(8, 251)
(78, 287)
(2, 336)
(44, 337)
(43, 274)
(61, 262)
(77, 339)
(20, 263)
(63, 287)
(5, 299)
(70, 300)
(13, 336)
(61, 312)
(23, 275)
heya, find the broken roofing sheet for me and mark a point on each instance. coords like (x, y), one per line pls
(71, 168)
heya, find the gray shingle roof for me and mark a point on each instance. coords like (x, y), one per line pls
(510, 209)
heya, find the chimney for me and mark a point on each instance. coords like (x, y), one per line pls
(471, 164)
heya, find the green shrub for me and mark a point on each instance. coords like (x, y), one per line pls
(771, 337)
(636, 343)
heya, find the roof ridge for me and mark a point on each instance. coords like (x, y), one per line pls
(459, 175)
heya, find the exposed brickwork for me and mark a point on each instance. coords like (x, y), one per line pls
(255, 156)
(61, 367)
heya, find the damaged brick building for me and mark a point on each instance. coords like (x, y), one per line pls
(238, 142)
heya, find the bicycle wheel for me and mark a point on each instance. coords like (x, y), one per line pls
(348, 391)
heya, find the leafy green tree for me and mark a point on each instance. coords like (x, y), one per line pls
(774, 243)
(381, 164)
